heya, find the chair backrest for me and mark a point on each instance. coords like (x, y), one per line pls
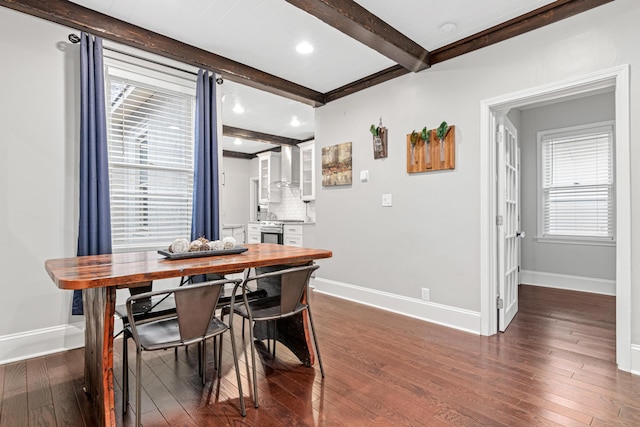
(195, 306)
(293, 283)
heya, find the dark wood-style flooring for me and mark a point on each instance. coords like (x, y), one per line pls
(555, 365)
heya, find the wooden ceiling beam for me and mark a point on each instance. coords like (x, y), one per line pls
(357, 22)
(237, 155)
(366, 82)
(81, 18)
(251, 135)
(538, 18)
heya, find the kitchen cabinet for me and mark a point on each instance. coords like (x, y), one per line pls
(234, 230)
(307, 170)
(253, 232)
(268, 172)
(300, 235)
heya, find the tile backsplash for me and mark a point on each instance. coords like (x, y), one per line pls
(291, 207)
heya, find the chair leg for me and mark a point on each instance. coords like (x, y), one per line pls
(243, 410)
(219, 357)
(315, 341)
(274, 336)
(215, 352)
(125, 373)
(203, 356)
(200, 369)
(253, 365)
(138, 387)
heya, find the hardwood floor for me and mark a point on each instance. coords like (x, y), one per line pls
(555, 365)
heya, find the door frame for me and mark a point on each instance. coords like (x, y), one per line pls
(617, 78)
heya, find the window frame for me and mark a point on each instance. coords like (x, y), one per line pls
(586, 129)
(148, 73)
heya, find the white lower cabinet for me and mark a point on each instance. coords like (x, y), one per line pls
(253, 233)
(300, 235)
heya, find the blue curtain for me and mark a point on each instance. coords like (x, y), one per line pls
(94, 228)
(205, 215)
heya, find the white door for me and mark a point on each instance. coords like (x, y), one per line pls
(508, 221)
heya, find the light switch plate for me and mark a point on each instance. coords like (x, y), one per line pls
(386, 200)
(364, 176)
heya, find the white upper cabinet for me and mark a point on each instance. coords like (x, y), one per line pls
(268, 172)
(307, 170)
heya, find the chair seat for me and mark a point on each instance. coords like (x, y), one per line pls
(265, 308)
(166, 334)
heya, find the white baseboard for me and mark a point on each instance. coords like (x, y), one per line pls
(457, 318)
(40, 342)
(572, 283)
(635, 359)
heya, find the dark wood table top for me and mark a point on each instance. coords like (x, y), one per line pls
(134, 267)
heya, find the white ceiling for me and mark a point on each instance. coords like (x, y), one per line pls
(264, 33)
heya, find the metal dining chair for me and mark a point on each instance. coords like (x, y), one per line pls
(294, 284)
(194, 322)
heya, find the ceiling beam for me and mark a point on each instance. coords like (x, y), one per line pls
(259, 136)
(237, 155)
(357, 22)
(81, 18)
(366, 82)
(540, 17)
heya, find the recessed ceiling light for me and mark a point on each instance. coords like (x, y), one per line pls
(238, 109)
(295, 122)
(448, 27)
(304, 48)
(237, 141)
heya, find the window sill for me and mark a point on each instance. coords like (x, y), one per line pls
(575, 241)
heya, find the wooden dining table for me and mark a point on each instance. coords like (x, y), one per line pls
(99, 276)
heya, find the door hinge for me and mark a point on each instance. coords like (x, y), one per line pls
(499, 137)
(499, 220)
(500, 303)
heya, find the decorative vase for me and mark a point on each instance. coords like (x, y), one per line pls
(442, 150)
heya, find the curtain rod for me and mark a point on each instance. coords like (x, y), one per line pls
(74, 38)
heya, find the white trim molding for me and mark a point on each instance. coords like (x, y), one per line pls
(568, 282)
(452, 317)
(617, 78)
(635, 359)
(39, 342)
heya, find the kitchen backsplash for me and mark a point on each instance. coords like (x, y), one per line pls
(291, 207)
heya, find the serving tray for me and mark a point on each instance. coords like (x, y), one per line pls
(198, 254)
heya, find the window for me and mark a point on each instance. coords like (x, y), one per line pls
(150, 144)
(577, 194)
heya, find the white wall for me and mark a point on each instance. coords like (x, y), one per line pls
(590, 261)
(234, 194)
(38, 186)
(431, 235)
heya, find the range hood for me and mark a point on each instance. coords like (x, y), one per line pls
(289, 167)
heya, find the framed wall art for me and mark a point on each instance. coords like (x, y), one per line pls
(336, 165)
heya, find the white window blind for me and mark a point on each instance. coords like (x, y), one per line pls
(150, 144)
(577, 186)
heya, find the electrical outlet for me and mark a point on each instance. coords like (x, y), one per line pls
(425, 294)
(386, 200)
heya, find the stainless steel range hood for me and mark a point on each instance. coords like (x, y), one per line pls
(289, 167)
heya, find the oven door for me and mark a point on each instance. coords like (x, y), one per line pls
(276, 237)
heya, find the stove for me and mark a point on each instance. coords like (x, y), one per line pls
(273, 231)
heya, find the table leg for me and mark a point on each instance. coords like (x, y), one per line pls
(99, 307)
(293, 332)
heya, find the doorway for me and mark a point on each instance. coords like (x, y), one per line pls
(616, 78)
